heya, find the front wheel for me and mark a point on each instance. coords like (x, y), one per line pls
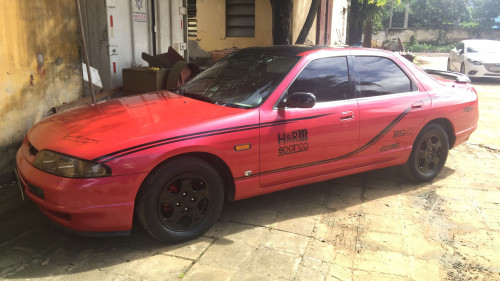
(462, 68)
(180, 200)
(429, 154)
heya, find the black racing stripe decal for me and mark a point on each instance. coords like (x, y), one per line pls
(148, 145)
(370, 143)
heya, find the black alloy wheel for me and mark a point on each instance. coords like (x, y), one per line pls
(180, 200)
(183, 202)
(429, 153)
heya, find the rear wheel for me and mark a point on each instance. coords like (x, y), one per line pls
(429, 153)
(180, 200)
(462, 68)
(448, 67)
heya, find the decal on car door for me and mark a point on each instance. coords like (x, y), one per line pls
(369, 144)
(292, 142)
(149, 145)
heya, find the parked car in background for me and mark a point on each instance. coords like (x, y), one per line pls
(260, 120)
(476, 58)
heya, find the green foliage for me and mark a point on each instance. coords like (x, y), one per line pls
(413, 40)
(439, 13)
(432, 47)
(484, 13)
(361, 12)
(473, 14)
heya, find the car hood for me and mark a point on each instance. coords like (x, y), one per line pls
(485, 57)
(91, 131)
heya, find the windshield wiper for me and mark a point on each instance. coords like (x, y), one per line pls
(199, 97)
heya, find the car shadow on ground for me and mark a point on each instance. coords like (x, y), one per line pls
(29, 248)
(485, 81)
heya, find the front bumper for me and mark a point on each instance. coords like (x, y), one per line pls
(481, 71)
(100, 205)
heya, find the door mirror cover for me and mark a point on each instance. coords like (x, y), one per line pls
(299, 100)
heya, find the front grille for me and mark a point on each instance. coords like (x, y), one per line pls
(493, 67)
(33, 151)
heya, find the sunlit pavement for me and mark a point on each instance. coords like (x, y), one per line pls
(372, 226)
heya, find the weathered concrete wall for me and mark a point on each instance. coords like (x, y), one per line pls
(40, 67)
(429, 35)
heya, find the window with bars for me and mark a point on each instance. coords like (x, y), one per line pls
(240, 18)
(192, 21)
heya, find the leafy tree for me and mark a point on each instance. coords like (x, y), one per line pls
(484, 13)
(362, 14)
(439, 13)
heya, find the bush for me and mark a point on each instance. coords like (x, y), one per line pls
(432, 47)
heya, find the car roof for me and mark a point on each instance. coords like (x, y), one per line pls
(290, 50)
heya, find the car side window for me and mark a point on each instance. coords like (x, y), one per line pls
(460, 46)
(326, 78)
(381, 76)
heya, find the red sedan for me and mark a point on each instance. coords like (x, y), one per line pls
(260, 120)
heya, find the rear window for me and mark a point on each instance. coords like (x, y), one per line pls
(381, 76)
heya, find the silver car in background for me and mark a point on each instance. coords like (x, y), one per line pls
(476, 58)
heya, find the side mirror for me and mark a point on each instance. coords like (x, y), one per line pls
(461, 51)
(298, 100)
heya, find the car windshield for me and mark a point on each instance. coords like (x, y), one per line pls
(483, 47)
(241, 79)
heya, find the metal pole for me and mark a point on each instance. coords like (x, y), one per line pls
(85, 51)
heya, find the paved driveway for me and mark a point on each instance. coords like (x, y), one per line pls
(371, 226)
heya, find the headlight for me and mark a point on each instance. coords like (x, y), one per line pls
(68, 166)
(475, 62)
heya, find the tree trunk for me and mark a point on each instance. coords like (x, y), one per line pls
(354, 23)
(392, 12)
(313, 10)
(407, 12)
(367, 40)
(282, 17)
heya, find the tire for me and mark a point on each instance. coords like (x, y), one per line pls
(180, 200)
(462, 68)
(429, 154)
(448, 65)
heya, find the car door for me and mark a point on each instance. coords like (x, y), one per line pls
(298, 143)
(391, 109)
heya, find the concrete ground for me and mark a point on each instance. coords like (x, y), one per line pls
(371, 226)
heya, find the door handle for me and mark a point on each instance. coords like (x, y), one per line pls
(417, 105)
(346, 115)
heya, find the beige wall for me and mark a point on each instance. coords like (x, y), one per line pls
(211, 16)
(300, 11)
(40, 67)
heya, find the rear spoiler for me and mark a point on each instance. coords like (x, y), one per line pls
(458, 77)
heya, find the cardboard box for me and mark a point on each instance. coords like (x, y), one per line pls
(143, 80)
